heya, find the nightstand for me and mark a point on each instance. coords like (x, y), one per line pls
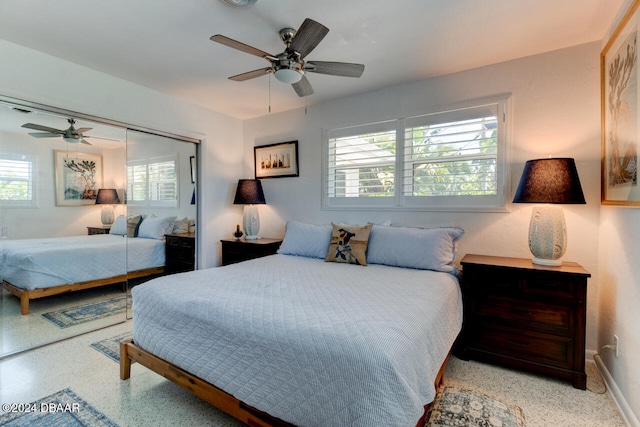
(180, 250)
(525, 315)
(98, 230)
(242, 250)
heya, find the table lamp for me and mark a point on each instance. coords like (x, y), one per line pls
(550, 181)
(107, 197)
(249, 193)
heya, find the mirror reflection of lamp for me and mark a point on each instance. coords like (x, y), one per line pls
(107, 197)
(250, 194)
(552, 182)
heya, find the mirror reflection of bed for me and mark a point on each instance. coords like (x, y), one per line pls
(78, 278)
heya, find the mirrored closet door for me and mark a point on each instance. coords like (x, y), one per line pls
(71, 188)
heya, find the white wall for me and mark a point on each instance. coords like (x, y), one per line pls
(556, 111)
(33, 76)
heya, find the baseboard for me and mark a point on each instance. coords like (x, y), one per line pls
(612, 389)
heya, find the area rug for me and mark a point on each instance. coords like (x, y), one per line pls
(61, 409)
(110, 347)
(87, 312)
(460, 407)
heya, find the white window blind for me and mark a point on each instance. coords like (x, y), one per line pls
(16, 180)
(362, 164)
(153, 182)
(451, 160)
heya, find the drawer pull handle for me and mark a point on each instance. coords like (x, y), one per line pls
(519, 344)
(522, 312)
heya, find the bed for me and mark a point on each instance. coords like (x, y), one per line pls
(37, 268)
(291, 339)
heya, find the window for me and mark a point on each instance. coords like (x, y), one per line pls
(16, 180)
(452, 160)
(153, 182)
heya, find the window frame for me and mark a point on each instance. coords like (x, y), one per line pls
(32, 181)
(399, 202)
(147, 164)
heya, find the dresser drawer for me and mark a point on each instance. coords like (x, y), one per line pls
(540, 348)
(550, 285)
(180, 242)
(532, 315)
(500, 282)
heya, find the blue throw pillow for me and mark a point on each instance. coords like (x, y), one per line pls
(421, 248)
(307, 240)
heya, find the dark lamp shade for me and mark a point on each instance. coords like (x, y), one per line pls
(550, 181)
(249, 192)
(107, 196)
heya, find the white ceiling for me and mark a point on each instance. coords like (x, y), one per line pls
(165, 45)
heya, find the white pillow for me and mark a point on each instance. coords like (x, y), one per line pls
(307, 240)
(119, 226)
(156, 228)
(421, 248)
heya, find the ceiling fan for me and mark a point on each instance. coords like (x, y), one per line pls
(290, 66)
(70, 134)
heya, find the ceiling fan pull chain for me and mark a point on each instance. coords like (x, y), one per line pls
(269, 92)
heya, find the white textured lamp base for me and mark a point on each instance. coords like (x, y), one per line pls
(107, 215)
(251, 222)
(547, 235)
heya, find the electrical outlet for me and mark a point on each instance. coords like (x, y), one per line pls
(616, 344)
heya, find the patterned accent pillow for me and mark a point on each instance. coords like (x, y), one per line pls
(133, 224)
(349, 244)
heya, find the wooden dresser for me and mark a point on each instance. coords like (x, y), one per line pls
(526, 316)
(179, 249)
(242, 250)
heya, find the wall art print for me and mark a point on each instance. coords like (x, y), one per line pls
(620, 108)
(78, 177)
(276, 160)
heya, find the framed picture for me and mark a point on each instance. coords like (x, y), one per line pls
(78, 177)
(620, 124)
(192, 161)
(276, 160)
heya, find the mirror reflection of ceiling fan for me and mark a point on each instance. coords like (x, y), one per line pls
(290, 65)
(71, 134)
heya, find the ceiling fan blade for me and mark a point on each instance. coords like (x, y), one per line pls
(84, 141)
(307, 37)
(250, 75)
(343, 69)
(45, 135)
(219, 38)
(42, 128)
(303, 87)
(83, 130)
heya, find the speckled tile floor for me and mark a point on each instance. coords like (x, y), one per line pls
(147, 399)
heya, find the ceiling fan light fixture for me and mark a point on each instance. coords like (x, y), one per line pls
(240, 4)
(71, 139)
(286, 75)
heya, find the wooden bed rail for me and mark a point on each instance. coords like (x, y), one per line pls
(204, 390)
(27, 295)
(208, 392)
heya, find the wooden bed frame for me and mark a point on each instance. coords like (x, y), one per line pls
(208, 392)
(27, 295)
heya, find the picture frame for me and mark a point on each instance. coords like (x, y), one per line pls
(278, 160)
(78, 177)
(192, 162)
(620, 95)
